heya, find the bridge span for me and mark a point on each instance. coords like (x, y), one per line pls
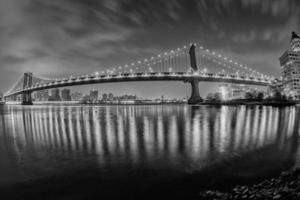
(29, 83)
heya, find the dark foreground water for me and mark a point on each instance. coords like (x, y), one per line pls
(141, 152)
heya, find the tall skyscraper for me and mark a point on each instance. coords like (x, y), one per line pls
(290, 68)
(65, 95)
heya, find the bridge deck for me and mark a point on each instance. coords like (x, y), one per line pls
(176, 76)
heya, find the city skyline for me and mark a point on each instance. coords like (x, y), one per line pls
(92, 41)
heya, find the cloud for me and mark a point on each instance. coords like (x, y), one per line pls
(76, 36)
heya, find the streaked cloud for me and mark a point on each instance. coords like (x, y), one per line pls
(83, 36)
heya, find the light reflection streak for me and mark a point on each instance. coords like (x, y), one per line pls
(78, 127)
(262, 127)
(195, 139)
(71, 129)
(173, 136)
(98, 136)
(133, 137)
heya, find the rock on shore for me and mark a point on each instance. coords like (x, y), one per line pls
(286, 187)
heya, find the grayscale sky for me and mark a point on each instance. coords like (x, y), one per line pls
(54, 38)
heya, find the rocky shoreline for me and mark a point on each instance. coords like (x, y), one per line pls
(285, 187)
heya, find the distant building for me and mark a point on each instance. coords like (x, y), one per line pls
(86, 98)
(290, 68)
(66, 95)
(233, 91)
(110, 97)
(76, 96)
(54, 95)
(104, 97)
(94, 95)
(42, 95)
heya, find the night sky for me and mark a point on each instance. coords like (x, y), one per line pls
(53, 38)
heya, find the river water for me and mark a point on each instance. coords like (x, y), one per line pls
(140, 152)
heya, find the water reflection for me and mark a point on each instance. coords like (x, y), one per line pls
(175, 136)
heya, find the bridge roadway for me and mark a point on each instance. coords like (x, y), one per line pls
(153, 76)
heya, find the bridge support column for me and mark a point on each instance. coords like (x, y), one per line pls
(195, 96)
(26, 96)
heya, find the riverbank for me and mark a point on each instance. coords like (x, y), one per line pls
(247, 102)
(286, 186)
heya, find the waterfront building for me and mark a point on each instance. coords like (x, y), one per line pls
(94, 95)
(104, 97)
(42, 95)
(76, 96)
(65, 95)
(110, 97)
(86, 99)
(54, 95)
(233, 91)
(290, 68)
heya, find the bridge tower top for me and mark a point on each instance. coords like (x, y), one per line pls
(193, 59)
(27, 79)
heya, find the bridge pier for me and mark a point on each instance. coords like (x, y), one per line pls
(195, 94)
(26, 98)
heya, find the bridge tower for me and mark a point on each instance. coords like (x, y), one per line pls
(26, 96)
(195, 96)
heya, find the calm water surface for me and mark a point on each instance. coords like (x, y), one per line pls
(136, 152)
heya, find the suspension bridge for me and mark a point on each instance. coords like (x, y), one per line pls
(191, 64)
